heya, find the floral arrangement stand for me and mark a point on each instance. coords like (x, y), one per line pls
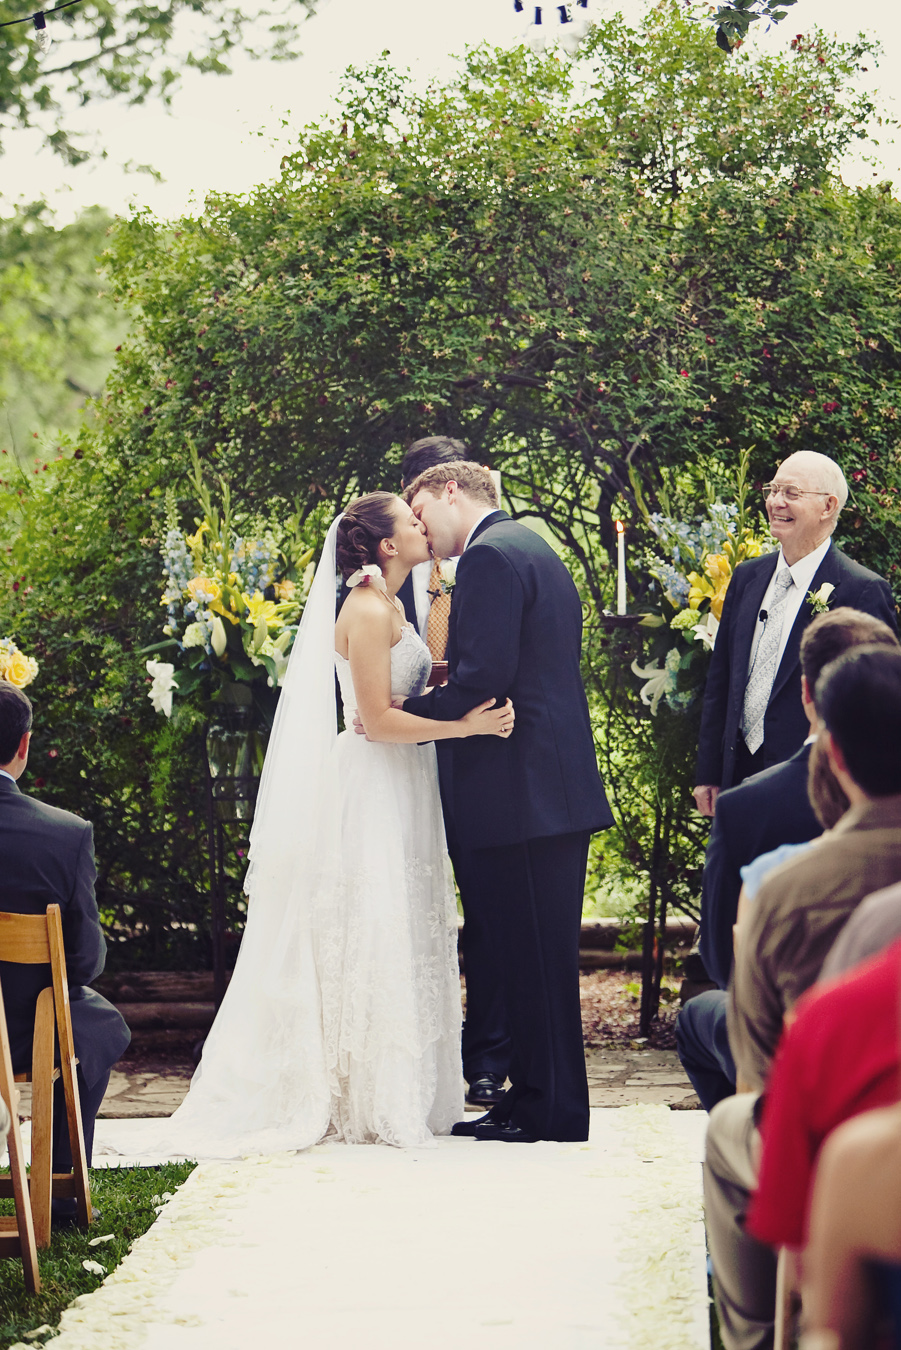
(233, 594)
(234, 751)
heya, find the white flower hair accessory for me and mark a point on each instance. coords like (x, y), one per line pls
(819, 600)
(370, 575)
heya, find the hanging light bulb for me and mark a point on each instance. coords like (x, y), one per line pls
(41, 33)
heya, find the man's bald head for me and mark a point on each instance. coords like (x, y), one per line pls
(817, 469)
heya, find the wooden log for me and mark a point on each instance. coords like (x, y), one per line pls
(162, 1016)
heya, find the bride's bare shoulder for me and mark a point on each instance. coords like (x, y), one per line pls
(363, 614)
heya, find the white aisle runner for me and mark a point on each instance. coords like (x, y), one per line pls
(467, 1244)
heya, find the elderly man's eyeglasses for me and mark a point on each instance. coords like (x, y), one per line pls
(790, 492)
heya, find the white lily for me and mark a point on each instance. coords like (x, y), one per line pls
(657, 684)
(706, 631)
(218, 639)
(164, 684)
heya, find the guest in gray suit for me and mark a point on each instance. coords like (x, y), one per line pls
(46, 858)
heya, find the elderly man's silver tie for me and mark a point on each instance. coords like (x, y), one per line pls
(763, 671)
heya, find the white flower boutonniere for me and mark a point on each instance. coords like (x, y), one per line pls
(447, 574)
(370, 575)
(819, 600)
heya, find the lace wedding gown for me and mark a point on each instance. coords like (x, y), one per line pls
(342, 1019)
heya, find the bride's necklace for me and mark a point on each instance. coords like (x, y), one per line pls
(394, 603)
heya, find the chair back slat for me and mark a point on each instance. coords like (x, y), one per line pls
(24, 938)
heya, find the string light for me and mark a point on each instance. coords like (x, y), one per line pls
(42, 36)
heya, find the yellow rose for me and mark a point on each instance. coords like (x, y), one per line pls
(284, 590)
(18, 669)
(204, 589)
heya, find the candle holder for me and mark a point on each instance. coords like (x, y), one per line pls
(609, 620)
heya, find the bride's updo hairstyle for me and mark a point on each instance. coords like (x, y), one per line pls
(366, 522)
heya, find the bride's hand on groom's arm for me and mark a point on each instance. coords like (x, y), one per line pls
(488, 720)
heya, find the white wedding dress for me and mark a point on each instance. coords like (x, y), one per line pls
(343, 1017)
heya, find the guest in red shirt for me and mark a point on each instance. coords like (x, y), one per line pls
(839, 1056)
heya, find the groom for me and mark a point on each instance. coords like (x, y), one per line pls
(526, 806)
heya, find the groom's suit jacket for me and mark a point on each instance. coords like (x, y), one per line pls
(47, 858)
(515, 632)
(785, 724)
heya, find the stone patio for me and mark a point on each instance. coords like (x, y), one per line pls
(631, 1077)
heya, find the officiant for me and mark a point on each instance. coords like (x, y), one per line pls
(752, 716)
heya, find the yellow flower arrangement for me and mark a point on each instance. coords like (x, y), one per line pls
(15, 666)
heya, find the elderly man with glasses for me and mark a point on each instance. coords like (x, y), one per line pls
(752, 716)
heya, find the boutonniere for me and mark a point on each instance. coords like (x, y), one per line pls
(447, 574)
(819, 600)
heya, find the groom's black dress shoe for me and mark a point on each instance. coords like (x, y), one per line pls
(486, 1091)
(466, 1129)
(503, 1131)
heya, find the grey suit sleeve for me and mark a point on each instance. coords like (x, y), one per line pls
(83, 938)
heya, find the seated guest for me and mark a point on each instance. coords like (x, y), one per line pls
(47, 857)
(794, 920)
(852, 1263)
(873, 926)
(839, 1056)
(767, 810)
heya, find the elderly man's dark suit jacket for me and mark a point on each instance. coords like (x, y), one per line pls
(46, 858)
(785, 724)
(515, 632)
(766, 810)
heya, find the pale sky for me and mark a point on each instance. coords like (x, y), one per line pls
(225, 133)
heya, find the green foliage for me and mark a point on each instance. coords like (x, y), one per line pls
(607, 276)
(57, 335)
(733, 22)
(132, 52)
(126, 1198)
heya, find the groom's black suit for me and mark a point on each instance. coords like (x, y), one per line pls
(525, 806)
(47, 858)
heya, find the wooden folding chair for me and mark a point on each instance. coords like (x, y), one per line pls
(16, 1234)
(37, 939)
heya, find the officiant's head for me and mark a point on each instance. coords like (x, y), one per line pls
(429, 451)
(449, 500)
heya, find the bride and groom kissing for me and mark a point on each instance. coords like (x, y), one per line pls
(342, 1019)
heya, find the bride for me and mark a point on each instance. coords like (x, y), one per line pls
(342, 1018)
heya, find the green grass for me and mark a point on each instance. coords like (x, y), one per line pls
(125, 1197)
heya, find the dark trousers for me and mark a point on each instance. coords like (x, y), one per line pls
(91, 1099)
(745, 763)
(533, 897)
(703, 1045)
(486, 1040)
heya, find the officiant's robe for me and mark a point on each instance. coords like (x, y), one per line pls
(47, 858)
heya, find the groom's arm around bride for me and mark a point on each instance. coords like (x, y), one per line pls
(525, 806)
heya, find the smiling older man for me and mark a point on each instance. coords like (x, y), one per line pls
(752, 715)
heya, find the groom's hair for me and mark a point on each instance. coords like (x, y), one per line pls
(470, 478)
(15, 719)
(426, 453)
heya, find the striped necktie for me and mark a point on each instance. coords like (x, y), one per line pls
(763, 671)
